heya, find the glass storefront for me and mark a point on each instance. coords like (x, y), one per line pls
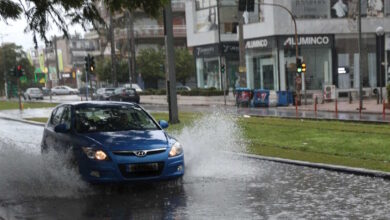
(348, 56)
(208, 72)
(209, 58)
(262, 69)
(262, 64)
(318, 67)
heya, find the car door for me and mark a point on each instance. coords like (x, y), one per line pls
(64, 140)
(50, 138)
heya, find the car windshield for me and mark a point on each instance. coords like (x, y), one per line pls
(112, 118)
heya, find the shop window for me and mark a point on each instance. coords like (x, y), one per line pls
(208, 72)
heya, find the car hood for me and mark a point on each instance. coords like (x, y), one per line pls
(130, 140)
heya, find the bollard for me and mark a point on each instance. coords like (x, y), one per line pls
(336, 107)
(315, 104)
(384, 109)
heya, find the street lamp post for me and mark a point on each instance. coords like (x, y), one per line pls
(380, 32)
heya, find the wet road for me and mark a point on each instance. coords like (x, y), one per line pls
(215, 186)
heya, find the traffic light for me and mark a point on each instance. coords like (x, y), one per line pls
(89, 63)
(19, 71)
(86, 62)
(303, 65)
(299, 65)
(222, 68)
(92, 64)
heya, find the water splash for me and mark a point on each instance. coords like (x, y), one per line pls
(26, 173)
(206, 143)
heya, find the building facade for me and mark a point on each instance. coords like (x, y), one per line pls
(327, 43)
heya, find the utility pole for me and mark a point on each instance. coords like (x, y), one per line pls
(57, 67)
(360, 56)
(48, 71)
(170, 53)
(131, 48)
(242, 70)
(4, 66)
(112, 42)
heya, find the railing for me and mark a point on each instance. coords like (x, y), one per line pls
(178, 5)
(153, 31)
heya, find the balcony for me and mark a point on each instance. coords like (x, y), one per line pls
(153, 31)
(178, 5)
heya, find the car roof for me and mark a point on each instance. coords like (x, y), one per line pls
(100, 103)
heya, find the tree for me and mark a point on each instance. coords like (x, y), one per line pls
(103, 70)
(150, 63)
(12, 55)
(41, 14)
(185, 66)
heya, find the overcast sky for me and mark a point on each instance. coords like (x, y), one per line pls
(13, 32)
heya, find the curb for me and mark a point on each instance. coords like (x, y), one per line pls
(322, 119)
(23, 121)
(336, 168)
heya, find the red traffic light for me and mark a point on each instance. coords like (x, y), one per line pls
(19, 67)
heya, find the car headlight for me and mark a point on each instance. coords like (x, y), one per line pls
(94, 154)
(176, 150)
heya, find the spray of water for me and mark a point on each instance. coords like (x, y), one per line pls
(206, 143)
(26, 173)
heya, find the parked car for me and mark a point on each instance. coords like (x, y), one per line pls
(113, 142)
(134, 86)
(183, 88)
(33, 93)
(83, 90)
(123, 94)
(45, 91)
(64, 90)
(103, 94)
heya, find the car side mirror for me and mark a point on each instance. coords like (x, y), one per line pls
(163, 124)
(61, 128)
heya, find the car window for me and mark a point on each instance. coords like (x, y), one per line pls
(118, 90)
(56, 118)
(66, 117)
(130, 91)
(112, 118)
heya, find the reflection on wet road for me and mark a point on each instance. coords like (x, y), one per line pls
(215, 186)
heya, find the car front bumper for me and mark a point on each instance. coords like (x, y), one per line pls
(115, 170)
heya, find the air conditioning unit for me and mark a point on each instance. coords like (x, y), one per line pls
(329, 92)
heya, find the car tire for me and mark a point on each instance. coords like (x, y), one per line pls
(29, 98)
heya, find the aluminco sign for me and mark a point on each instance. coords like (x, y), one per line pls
(308, 41)
(257, 43)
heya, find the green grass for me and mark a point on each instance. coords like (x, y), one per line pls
(341, 143)
(42, 120)
(331, 142)
(7, 105)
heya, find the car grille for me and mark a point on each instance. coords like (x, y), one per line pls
(142, 170)
(132, 153)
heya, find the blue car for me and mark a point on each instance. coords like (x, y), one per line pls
(114, 142)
